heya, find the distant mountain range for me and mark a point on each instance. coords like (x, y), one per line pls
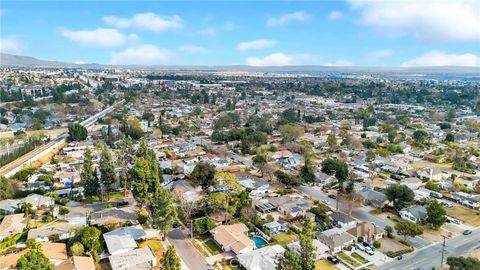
(28, 61)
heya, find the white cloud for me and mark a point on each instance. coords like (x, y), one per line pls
(298, 16)
(278, 59)
(380, 54)
(101, 37)
(424, 19)
(439, 58)
(149, 21)
(208, 32)
(255, 44)
(335, 15)
(145, 54)
(10, 45)
(79, 62)
(192, 49)
(340, 63)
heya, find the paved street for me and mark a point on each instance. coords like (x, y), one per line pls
(360, 213)
(430, 256)
(187, 251)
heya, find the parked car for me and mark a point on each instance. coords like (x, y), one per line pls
(400, 257)
(332, 196)
(326, 202)
(467, 232)
(333, 259)
(436, 195)
(122, 203)
(359, 247)
(447, 204)
(367, 244)
(369, 251)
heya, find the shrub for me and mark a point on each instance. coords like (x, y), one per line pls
(77, 249)
(377, 244)
(63, 210)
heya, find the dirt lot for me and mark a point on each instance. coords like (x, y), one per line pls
(466, 215)
(391, 245)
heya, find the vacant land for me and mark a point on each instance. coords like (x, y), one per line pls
(466, 215)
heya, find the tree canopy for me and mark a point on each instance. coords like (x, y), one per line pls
(400, 195)
(77, 132)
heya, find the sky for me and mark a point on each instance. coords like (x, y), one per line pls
(258, 33)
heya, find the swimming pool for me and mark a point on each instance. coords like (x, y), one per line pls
(259, 241)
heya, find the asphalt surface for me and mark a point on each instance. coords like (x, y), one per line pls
(430, 256)
(187, 251)
(360, 213)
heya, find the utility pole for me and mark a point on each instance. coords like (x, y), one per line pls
(191, 229)
(443, 250)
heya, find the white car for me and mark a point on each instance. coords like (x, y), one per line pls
(369, 251)
(359, 247)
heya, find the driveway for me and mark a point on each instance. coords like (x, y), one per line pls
(187, 251)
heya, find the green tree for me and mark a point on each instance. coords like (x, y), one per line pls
(77, 132)
(407, 228)
(463, 263)
(170, 260)
(26, 208)
(420, 137)
(436, 214)
(164, 212)
(399, 195)
(203, 225)
(77, 249)
(203, 175)
(88, 177)
(34, 260)
(450, 138)
(107, 171)
(140, 176)
(307, 172)
(287, 179)
(307, 250)
(332, 140)
(291, 132)
(6, 188)
(389, 231)
(289, 261)
(90, 238)
(149, 117)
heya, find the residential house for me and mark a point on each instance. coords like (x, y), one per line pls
(186, 191)
(264, 258)
(367, 231)
(60, 231)
(8, 207)
(77, 263)
(296, 207)
(343, 220)
(112, 216)
(322, 178)
(9, 261)
(55, 252)
(470, 200)
(433, 173)
(414, 214)
(11, 225)
(276, 226)
(233, 238)
(412, 182)
(140, 258)
(373, 197)
(320, 248)
(256, 184)
(117, 244)
(336, 239)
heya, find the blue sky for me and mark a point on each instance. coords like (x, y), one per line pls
(353, 32)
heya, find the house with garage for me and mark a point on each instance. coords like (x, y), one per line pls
(367, 231)
(414, 214)
(335, 239)
(233, 238)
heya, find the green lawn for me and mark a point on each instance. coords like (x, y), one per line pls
(212, 247)
(359, 258)
(116, 195)
(284, 239)
(197, 243)
(344, 257)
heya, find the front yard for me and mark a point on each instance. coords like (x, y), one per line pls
(349, 260)
(466, 215)
(324, 265)
(206, 246)
(155, 245)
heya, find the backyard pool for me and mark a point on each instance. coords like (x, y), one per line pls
(259, 241)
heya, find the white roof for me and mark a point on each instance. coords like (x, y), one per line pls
(133, 259)
(117, 244)
(262, 258)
